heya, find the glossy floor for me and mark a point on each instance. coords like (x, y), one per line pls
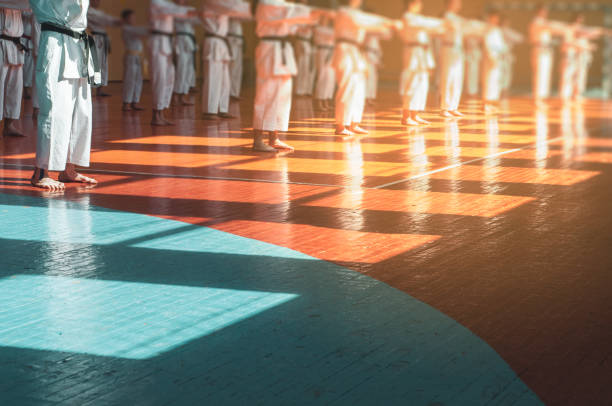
(466, 262)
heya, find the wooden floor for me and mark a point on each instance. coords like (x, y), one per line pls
(502, 223)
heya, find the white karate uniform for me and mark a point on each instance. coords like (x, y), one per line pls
(34, 53)
(418, 58)
(275, 62)
(585, 59)
(512, 38)
(494, 49)
(62, 71)
(350, 64)
(324, 50)
(12, 59)
(184, 48)
(133, 62)
(473, 62)
(236, 40)
(28, 65)
(452, 58)
(218, 53)
(161, 16)
(304, 50)
(573, 63)
(541, 32)
(374, 55)
(98, 20)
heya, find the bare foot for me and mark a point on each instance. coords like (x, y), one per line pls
(410, 122)
(11, 130)
(74, 177)
(345, 134)
(260, 146)
(456, 113)
(209, 116)
(421, 120)
(136, 107)
(226, 116)
(158, 122)
(101, 93)
(41, 180)
(185, 101)
(447, 114)
(278, 144)
(126, 107)
(358, 130)
(168, 122)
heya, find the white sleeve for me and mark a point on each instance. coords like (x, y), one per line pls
(166, 7)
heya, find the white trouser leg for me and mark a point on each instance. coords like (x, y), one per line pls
(64, 122)
(568, 78)
(11, 89)
(28, 70)
(216, 87)
(542, 69)
(183, 78)
(451, 79)
(162, 74)
(272, 103)
(350, 98)
(473, 77)
(416, 90)
(326, 83)
(131, 73)
(35, 103)
(236, 69)
(491, 83)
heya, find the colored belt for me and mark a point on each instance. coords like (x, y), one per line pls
(107, 44)
(284, 41)
(222, 38)
(236, 36)
(16, 41)
(88, 43)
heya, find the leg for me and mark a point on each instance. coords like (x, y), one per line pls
(224, 91)
(12, 101)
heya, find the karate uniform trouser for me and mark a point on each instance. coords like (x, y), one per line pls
(28, 69)
(11, 88)
(451, 78)
(372, 85)
(132, 79)
(305, 74)
(272, 103)
(472, 77)
(236, 69)
(416, 90)
(326, 83)
(64, 121)
(569, 77)
(162, 77)
(184, 73)
(350, 98)
(101, 49)
(216, 87)
(506, 74)
(491, 83)
(541, 63)
(583, 78)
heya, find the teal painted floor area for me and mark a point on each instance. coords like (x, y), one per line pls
(127, 309)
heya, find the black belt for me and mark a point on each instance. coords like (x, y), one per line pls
(328, 47)
(107, 45)
(222, 38)
(236, 36)
(87, 41)
(16, 41)
(187, 34)
(163, 33)
(284, 41)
